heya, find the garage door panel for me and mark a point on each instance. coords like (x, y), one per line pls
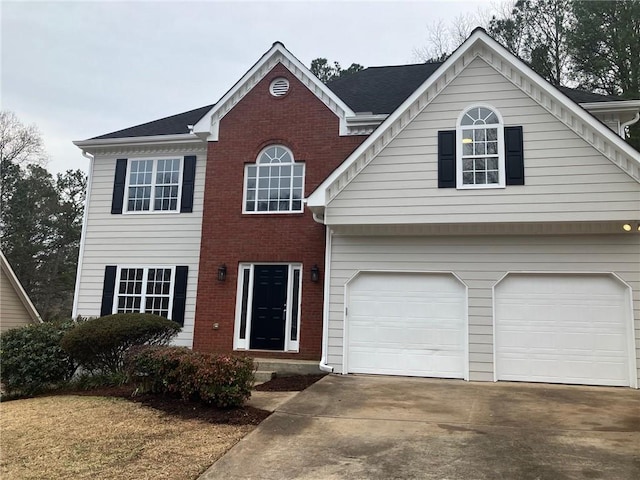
(406, 324)
(562, 328)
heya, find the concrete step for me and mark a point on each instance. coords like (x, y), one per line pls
(262, 376)
(284, 367)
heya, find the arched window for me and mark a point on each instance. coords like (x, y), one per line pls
(480, 159)
(275, 183)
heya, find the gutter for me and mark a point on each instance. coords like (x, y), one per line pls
(135, 141)
(617, 106)
(624, 125)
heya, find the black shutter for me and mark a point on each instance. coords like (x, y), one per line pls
(447, 159)
(188, 183)
(179, 294)
(108, 290)
(118, 185)
(514, 156)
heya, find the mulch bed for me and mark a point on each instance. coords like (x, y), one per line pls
(192, 410)
(292, 383)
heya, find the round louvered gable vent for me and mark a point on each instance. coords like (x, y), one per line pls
(279, 87)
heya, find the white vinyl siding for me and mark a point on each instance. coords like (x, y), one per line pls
(566, 179)
(480, 262)
(172, 238)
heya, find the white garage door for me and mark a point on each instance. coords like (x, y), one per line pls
(562, 329)
(406, 324)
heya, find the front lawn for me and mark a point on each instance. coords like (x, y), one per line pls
(88, 437)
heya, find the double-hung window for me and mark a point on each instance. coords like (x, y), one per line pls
(144, 290)
(153, 185)
(480, 158)
(275, 183)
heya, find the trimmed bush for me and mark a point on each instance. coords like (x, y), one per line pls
(32, 360)
(221, 380)
(100, 344)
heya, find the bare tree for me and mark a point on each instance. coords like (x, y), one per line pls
(443, 38)
(20, 144)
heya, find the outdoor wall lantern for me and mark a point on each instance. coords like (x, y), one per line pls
(222, 272)
(315, 274)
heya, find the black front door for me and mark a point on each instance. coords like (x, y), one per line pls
(269, 307)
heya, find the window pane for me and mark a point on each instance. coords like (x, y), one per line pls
(492, 177)
(481, 178)
(467, 178)
(479, 135)
(492, 134)
(492, 164)
(274, 177)
(294, 304)
(479, 148)
(296, 205)
(467, 164)
(480, 165)
(492, 148)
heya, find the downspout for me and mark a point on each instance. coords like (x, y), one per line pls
(627, 124)
(85, 215)
(325, 307)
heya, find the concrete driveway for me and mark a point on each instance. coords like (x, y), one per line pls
(370, 427)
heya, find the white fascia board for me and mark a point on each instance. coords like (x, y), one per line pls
(87, 145)
(205, 125)
(319, 199)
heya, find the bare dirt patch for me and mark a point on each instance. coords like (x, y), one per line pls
(88, 437)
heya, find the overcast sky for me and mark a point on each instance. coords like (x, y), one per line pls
(82, 69)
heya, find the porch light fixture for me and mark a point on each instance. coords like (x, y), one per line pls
(222, 272)
(315, 273)
(626, 227)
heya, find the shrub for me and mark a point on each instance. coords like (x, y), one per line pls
(100, 344)
(32, 360)
(221, 380)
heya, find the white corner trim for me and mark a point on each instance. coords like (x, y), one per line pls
(207, 127)
(17, 286)
(479, 44)
(83, 236)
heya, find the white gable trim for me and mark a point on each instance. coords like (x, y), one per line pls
(17, 286)
(207, 126)
(479, 44)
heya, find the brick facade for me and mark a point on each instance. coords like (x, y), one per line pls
(301, 122)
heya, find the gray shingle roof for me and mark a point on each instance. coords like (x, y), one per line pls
(378, 90)
(175, 124)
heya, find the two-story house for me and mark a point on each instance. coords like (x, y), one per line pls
(463, 219)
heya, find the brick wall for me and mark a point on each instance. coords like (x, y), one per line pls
(304, 124)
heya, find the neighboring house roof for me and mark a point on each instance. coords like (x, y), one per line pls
(17, 286)
(375, 90)
(480, 44)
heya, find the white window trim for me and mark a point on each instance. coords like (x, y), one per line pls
(289, 345)
(501, 153)
(151, 211)
(256, 164)
(145, 273)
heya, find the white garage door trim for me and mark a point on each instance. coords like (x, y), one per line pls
(629, 323)
(349, 282)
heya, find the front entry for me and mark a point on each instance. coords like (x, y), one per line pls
(269, 307)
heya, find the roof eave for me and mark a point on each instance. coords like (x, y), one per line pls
(610, 107)
(182, 138)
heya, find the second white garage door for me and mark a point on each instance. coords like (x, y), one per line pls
(406, 324)
(563, 329)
